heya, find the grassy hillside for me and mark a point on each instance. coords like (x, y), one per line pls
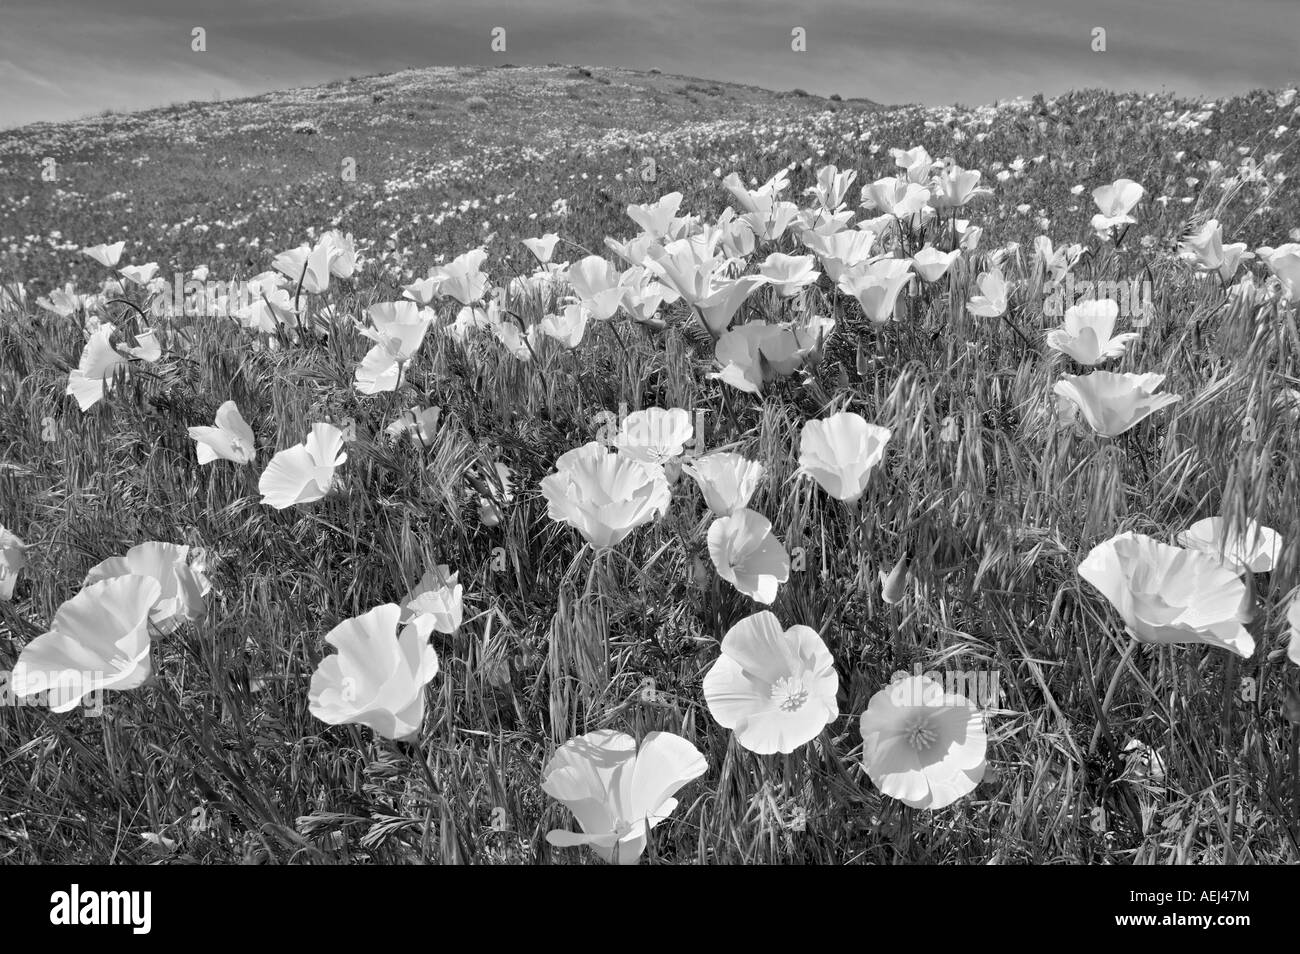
(1100, 750)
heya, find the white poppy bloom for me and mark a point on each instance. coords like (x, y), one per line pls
(305, 472)
(726, 480)
(1168, 594)
(1087, 334)
(437, 597)
(378, 675)
(604, 496)
(231, 439)
(775, 690)
(618, 791)
(922, 746)
(182, 586)
(1255, 550)
(98, 640)
(1112, 403)
(748, 555)
(840, 452)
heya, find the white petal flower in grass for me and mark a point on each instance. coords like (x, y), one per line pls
(655, 435)
(542, 248)
(437, 598)
(1253, 550)
(140, 274)
(656, 218)
(748, 555)
(305, 472)
(567, 327)
(932, 264)
(991, 302)
(1170, 595)
(183, 588)
(1112, 403)
(1087, 334)
(1293, 619)
(13, 559)
(789, 274)
(774, 689)
(922, 746)
(398, 329)
(378, 675)
(106, 255)
(231, 439)
(618, 791)
(726, 480)
(98, 640)
(604, 495)
(1115, 202)
(94, 372)
(840, 452)
(306, 266)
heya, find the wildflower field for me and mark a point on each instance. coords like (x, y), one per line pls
(565, 464)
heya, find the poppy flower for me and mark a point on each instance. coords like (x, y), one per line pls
(932, 264)
(655, 435)
(567, 327)
(305, 472)
(1205, 249)
(420, 422)
(107, 255)
(789, 274)
(604, 496)
(1293, 618)
(12, 560)
(462, 278)
(774, 689)
(140, 274)
(831, 187)
(437, 597)
(992, 300)
(876, 286)
(398, 330)
(1254, 550)
(378, 675)
(306, 266)
(618, 790)
(93, 375)
(748, 555)
(97, 640)
(1087, 334)
(1116, 201)
(183, 586)
(656, 218)
(1284, 263)
(542, 248)
(842, 251)
(840, 452)
(726, 480)
(724, 299)
(894, 196)
(1113, 403)
(596, 283)
(1169, 594)
(922, 746)
(231, 439)
(954, 187)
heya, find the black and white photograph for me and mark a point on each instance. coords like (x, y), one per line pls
(623, 433)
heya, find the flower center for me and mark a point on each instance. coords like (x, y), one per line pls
(789, 693)
(920, 734)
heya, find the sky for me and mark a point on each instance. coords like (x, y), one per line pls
(65, 59)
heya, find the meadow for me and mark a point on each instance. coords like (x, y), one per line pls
(705, 252)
